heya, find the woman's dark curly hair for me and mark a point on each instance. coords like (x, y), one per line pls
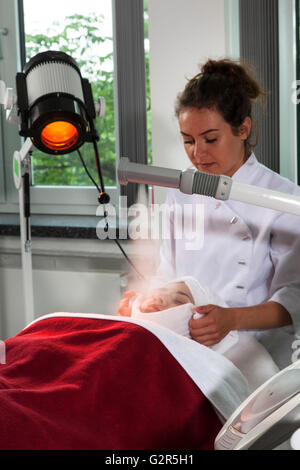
(226, 86)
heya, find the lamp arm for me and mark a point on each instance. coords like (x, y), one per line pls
(263, 197)
(221, 187)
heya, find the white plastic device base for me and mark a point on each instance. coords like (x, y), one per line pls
(268, 417)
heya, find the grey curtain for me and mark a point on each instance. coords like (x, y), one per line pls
(259, 48)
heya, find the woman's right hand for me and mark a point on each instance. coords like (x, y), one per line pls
(125, 305)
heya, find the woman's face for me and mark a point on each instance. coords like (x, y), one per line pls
(171, 296)
(210, 143)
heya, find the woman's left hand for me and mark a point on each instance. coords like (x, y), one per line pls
(215, 324)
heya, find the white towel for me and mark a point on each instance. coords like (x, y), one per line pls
(202, 295)
(177, 320)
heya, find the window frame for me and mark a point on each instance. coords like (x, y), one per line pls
(288, 71)
(232, 31)
(129, 119)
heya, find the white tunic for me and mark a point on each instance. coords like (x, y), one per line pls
(249, 254)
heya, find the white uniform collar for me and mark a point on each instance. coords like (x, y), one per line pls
(245, 173)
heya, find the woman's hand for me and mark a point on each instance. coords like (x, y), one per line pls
(124, 305)
(215, 324)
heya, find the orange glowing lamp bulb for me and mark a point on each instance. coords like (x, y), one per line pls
(59, 135)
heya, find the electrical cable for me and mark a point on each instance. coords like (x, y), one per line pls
(129, 260)
(98, 166)
(87, 171)
(101, 192)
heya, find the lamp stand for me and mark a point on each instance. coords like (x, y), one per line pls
(22, 175)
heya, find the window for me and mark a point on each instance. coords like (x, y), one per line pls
(107, 40)
(88, 37)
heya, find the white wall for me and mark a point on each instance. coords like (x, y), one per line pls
(182, 35)
(69, 276)
(56, 291)
(83, 276)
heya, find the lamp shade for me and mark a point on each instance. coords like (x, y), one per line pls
(54, 103)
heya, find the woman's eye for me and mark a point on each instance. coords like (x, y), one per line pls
(179, 299)
(210, 141)
(188, 142)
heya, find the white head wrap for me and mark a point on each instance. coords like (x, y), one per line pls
(177, 318)
(202, 295)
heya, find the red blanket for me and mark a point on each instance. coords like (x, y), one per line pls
(86, 384)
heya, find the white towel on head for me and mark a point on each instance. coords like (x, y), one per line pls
(177, 319)
(202, 295)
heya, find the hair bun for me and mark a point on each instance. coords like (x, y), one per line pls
(236, 74)
(222, 67)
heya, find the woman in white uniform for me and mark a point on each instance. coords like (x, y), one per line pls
(250, 255)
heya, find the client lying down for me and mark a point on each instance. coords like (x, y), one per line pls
(173, 306)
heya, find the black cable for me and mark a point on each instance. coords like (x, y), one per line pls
(87, 171)
(98, 166)
(103, 197)
(129, 261)
(101, 192)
